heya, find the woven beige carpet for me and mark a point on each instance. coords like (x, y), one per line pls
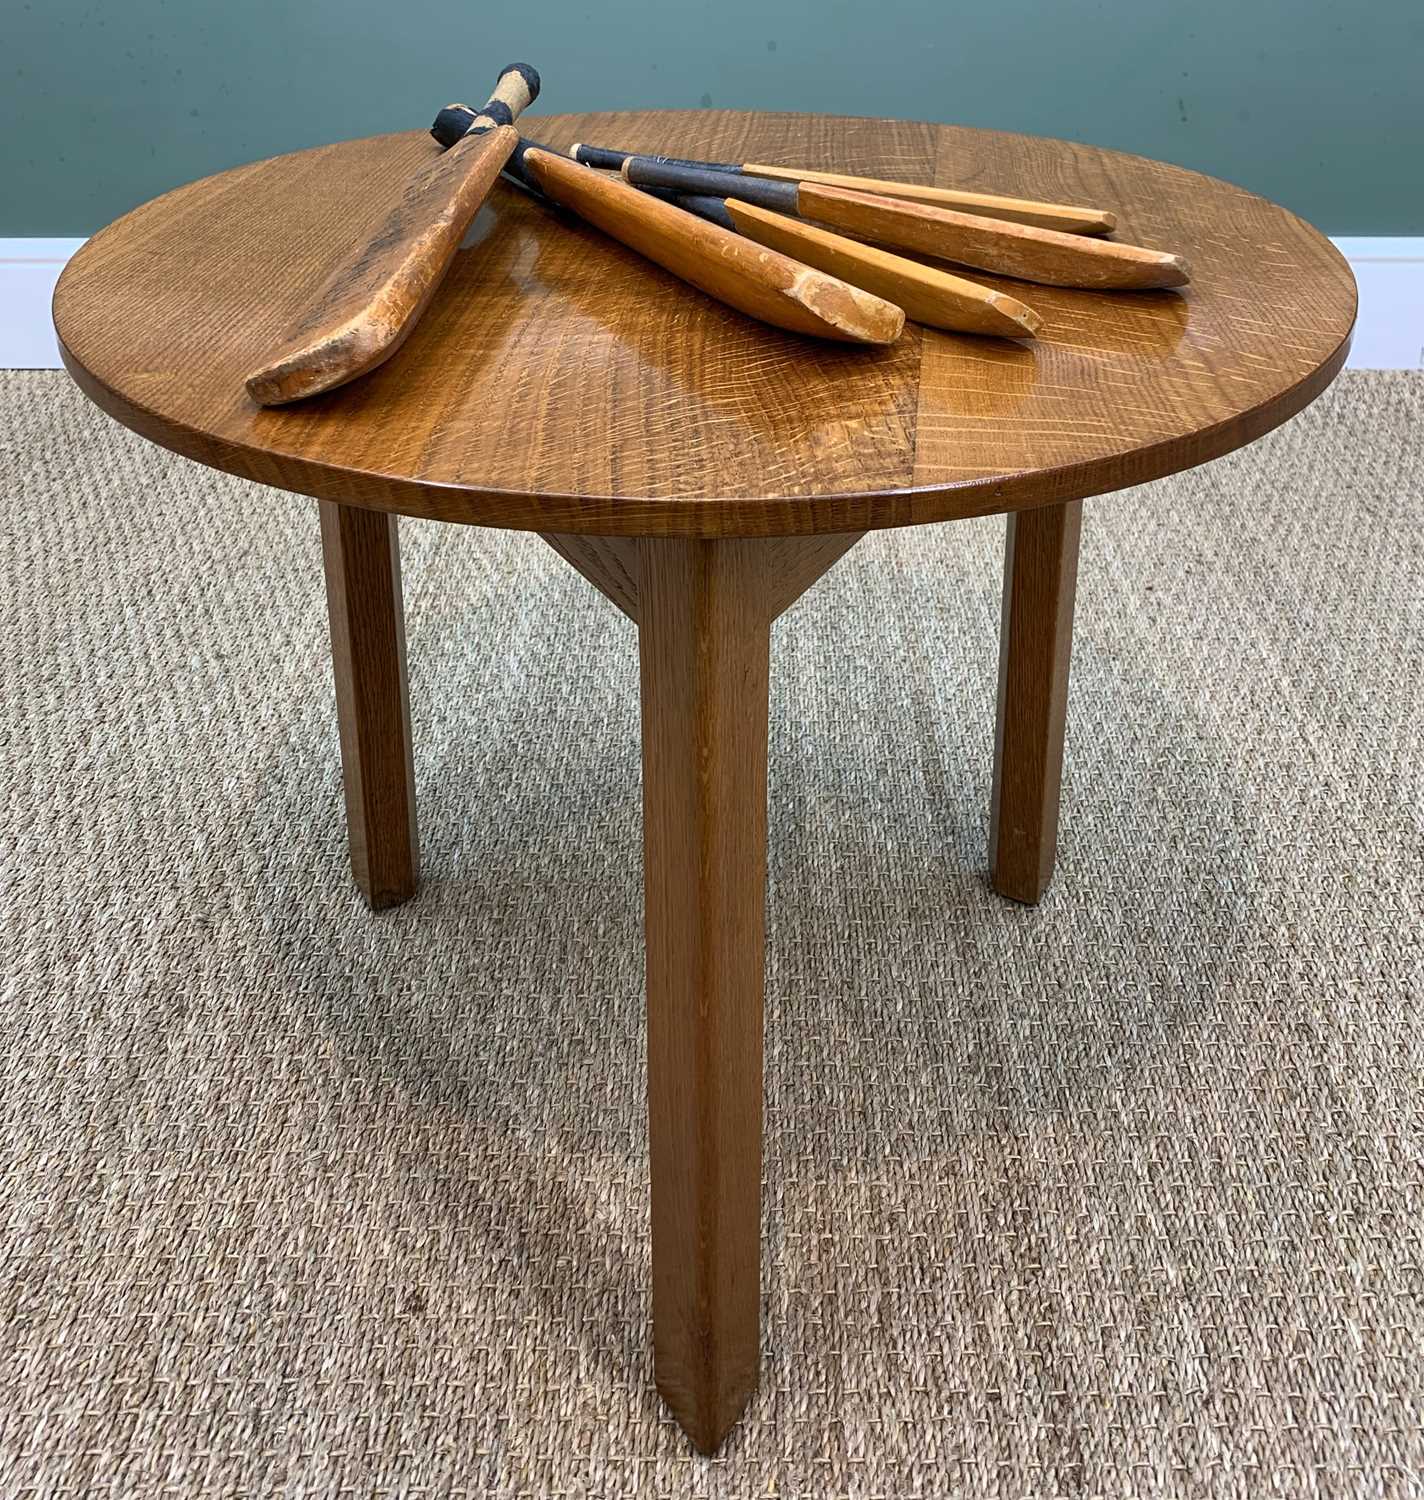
(1119, 1196)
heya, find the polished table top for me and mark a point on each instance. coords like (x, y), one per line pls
(559, 382)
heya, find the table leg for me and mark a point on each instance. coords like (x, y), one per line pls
(361, 555)
(704, 645)
(1035, 642)
(704, 611)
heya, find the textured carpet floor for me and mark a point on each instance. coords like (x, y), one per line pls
(1118, 1196)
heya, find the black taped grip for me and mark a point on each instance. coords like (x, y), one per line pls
(765, 192)
(515, 90)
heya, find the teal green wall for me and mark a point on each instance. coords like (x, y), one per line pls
(1313, 104)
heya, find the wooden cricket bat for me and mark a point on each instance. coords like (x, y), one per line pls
(372, 300)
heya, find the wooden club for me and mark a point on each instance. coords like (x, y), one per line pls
(373, 300)
(1066, 217)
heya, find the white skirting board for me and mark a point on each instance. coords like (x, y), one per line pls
(1389, 335)
(28, 271)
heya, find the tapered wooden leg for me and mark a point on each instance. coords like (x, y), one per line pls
(363, 595)
(1035, 642)
(704, 611)
(703, 640)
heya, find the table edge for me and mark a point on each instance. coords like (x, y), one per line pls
(791, 515)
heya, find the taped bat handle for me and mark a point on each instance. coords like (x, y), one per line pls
(515, 90)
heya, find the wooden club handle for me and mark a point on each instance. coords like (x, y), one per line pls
(515, 90)
(370, 303)
(1069, 218)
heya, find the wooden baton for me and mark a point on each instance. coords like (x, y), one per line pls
(1069, 218)
(372, 300)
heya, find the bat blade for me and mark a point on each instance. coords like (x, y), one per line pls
(372, 301)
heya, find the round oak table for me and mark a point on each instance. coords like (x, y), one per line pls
(701, 470)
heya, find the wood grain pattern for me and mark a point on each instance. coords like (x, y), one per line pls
(1044, 256)
(756, 281)
(626, 405)
(926, 293)
(704, 611)
(1067, 218)
(704, 647)
(791, 564)
(788, 566)
(361, 556)
(1035, 644)
(612, 564)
